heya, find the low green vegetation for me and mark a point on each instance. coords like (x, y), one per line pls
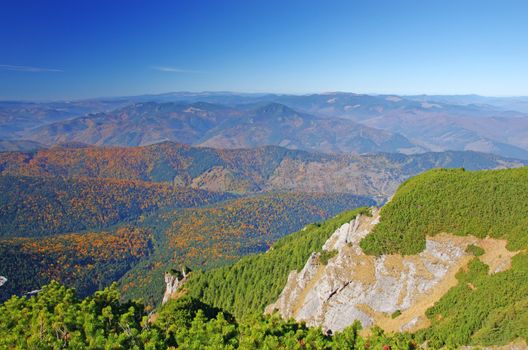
(482, 309)
(326, 255)
(57, 319)
(481, 203)
(248, 286)
(396, 314)
(475, 250)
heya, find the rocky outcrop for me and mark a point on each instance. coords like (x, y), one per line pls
(3, 280)
(174, 279)
(391, 291)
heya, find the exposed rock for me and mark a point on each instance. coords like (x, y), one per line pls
(173, 281)
(411, 324)
(179, 181)
(348, 176)
(33, 292)
(3, 280)
(354, 286)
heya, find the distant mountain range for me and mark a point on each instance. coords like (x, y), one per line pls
(515, 103)
(20, 145)
(430, 124)
(218, 126)
(330, 122)
(18, 117)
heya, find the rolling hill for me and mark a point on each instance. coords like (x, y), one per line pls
(87, 261)
(242, 170)
(430, 122)
(88, 233)
(86, 191)
(57, 203)
(203, 238)
(19, 145)
(41, 206)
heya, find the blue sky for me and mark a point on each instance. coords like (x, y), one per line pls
(78, 49)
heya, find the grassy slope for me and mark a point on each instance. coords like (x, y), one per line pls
(482, 309)
(481, 203)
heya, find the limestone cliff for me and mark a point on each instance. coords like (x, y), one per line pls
(391, 291)
(173, 281)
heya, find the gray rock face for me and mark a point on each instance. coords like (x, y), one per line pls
(173, 281)
(3, 280)
(354, 286)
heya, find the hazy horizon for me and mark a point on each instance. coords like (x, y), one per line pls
(263, 93)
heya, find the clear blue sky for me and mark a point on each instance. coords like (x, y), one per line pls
(76, 49)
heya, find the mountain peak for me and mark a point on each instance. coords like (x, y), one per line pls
(275, 108)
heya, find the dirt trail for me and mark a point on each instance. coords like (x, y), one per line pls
(496, 256)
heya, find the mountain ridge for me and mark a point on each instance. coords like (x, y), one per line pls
(207, 124)
(269, 168)
(497, 125)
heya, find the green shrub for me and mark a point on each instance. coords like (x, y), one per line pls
(475, 250)
(326, 255)
(396, 314)
(482, 309)
(57, 319)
